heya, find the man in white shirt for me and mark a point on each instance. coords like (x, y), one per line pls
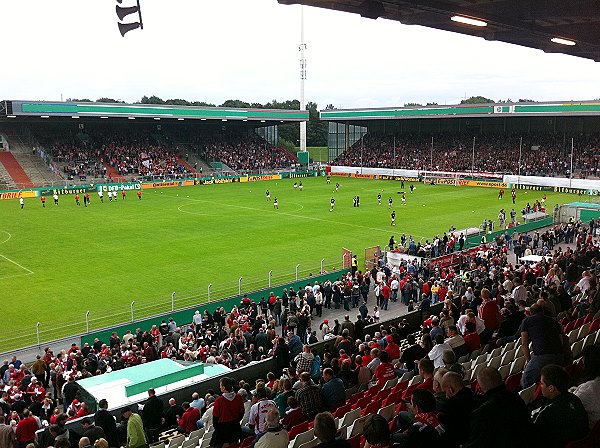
(437, 352)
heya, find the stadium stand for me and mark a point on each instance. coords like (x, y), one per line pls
(493, 300)
(542, 155)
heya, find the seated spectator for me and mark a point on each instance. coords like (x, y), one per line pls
(293, 414)
(562, 419)
(377, 432)
(326, 430)
(188, 421)
(332, 390)
(589, 390)
(437, 352)
(385, 370)
(426, 429)
(456, 342)
(274, 436)
(502, 419)
(456, 412)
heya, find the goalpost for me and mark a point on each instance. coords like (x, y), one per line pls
(442, 178)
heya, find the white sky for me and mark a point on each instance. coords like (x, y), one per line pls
(214, 50)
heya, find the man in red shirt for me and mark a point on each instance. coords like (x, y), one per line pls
(392, 348)
(187, 422)
(385, 370)
(228, 411)
(36, 391)
(386, 292)
(490, 314)
(26, 429)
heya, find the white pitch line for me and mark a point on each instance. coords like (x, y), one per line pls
(14, 262)
(9, 236)
(294, 216)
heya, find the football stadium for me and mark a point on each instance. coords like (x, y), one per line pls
(180, 276)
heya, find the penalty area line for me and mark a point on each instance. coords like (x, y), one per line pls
(15, 263)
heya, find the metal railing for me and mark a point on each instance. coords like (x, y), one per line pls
(142, 308)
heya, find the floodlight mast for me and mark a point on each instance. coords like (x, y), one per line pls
(302, 49)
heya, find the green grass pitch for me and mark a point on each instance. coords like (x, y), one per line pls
(58, 262)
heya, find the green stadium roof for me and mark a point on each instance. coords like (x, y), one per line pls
(79, 109)
(465, 110)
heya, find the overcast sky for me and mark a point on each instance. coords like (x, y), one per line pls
(214, 50)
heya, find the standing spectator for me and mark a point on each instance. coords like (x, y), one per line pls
(309, 396)
(135, 429)
(545, 335)
(106, 421)
(26, 429)
(227, 413)
(152, 416)
(7, 435)
(258, 412)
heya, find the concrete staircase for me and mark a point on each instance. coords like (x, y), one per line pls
(36, 169)
(15, 170)
(6, 182)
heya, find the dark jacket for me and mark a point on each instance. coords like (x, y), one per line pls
(455, 416)
(502, 420)
(106, 421)
(153, 413)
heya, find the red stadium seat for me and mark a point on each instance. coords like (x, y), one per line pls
(392, 398)
(355, 441)
(300, 428)
(513, 382)
(400, 387)
(341, 411)
(570, 326)
(247, 441)
(371, 408)
(588, 318)
(362, 403)
(357, 396)
(595, 326)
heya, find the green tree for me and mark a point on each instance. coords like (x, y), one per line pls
(432, 104)
(477, 100)
(108, 100)
(412, 105)
(151, 100)
(527, 101)
(75, 100)
(177, 102)
(236, 103)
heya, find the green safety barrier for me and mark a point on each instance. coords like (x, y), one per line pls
(185, 316)
(475, 240)
(163, 380)
(588, 215)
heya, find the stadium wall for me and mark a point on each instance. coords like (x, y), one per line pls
(475, 240)
(185, 315)
(581, 184)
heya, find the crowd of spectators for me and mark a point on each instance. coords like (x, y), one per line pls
(486, 301)
(144, 156)
(250, 153)
(132, 156)
(540, 155)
